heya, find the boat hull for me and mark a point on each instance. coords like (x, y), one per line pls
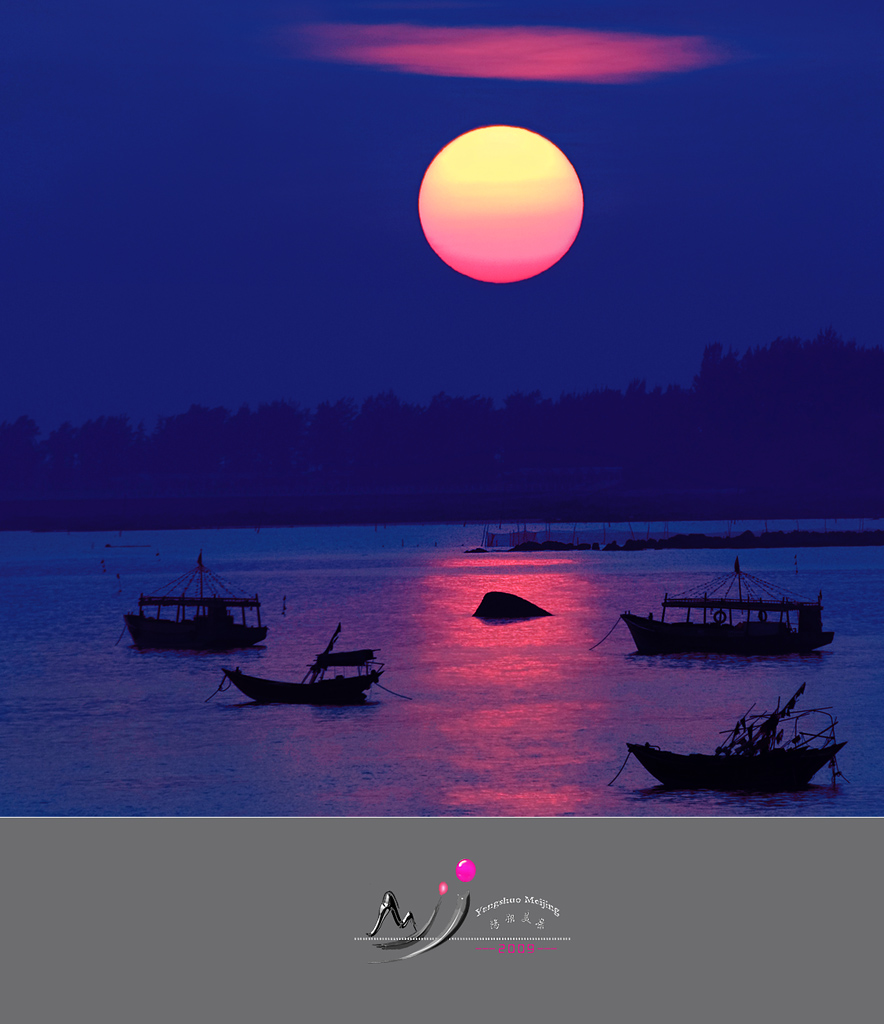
(197, 634)
(654, 637)
(774, 771)
(340, 690)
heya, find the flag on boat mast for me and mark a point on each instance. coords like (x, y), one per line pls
(331, 642)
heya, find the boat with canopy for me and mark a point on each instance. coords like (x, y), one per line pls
(203, 605)
(737, 613)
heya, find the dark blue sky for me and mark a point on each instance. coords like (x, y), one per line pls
(192, 214)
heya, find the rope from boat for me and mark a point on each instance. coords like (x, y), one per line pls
(836, 772)
(622, 766)
(605, 637)
(120, 637)
(221, 689)
(395, 694)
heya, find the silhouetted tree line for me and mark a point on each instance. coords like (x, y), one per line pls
(778, 417)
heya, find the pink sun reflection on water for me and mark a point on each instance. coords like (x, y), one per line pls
(516, 697)
(522, 653)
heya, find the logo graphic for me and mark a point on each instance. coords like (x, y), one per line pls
(510, 924)
(390, 905)
(423, 940)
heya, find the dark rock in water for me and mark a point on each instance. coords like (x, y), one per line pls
(475, 551)
(497, 605)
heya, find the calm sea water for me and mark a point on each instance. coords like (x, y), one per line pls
(515, 719)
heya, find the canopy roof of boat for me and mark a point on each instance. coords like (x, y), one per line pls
(342, 658)
(179, 601)
(197, 588)
(739, 589)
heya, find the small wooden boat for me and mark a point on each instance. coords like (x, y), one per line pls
(777, 770)
(210, 627)
(771, 631)
(354, 674)
(756, 756)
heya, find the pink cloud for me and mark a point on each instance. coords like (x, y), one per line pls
(517, 52)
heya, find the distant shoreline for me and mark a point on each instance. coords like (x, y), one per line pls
(103, 515)
(743, 541)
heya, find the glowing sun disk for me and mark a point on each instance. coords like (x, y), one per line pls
(500, 204)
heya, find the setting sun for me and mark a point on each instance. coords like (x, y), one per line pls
(500, 204)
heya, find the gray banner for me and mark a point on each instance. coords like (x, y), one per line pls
(237, 919)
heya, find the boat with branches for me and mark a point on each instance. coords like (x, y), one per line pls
(737, 613)
(335, 677)
(204, 606)
(770, 751)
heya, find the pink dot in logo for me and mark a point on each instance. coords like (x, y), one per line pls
(465, 870)
(443, 888)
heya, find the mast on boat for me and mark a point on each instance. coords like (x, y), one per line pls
(317, 668)
(211, 592)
